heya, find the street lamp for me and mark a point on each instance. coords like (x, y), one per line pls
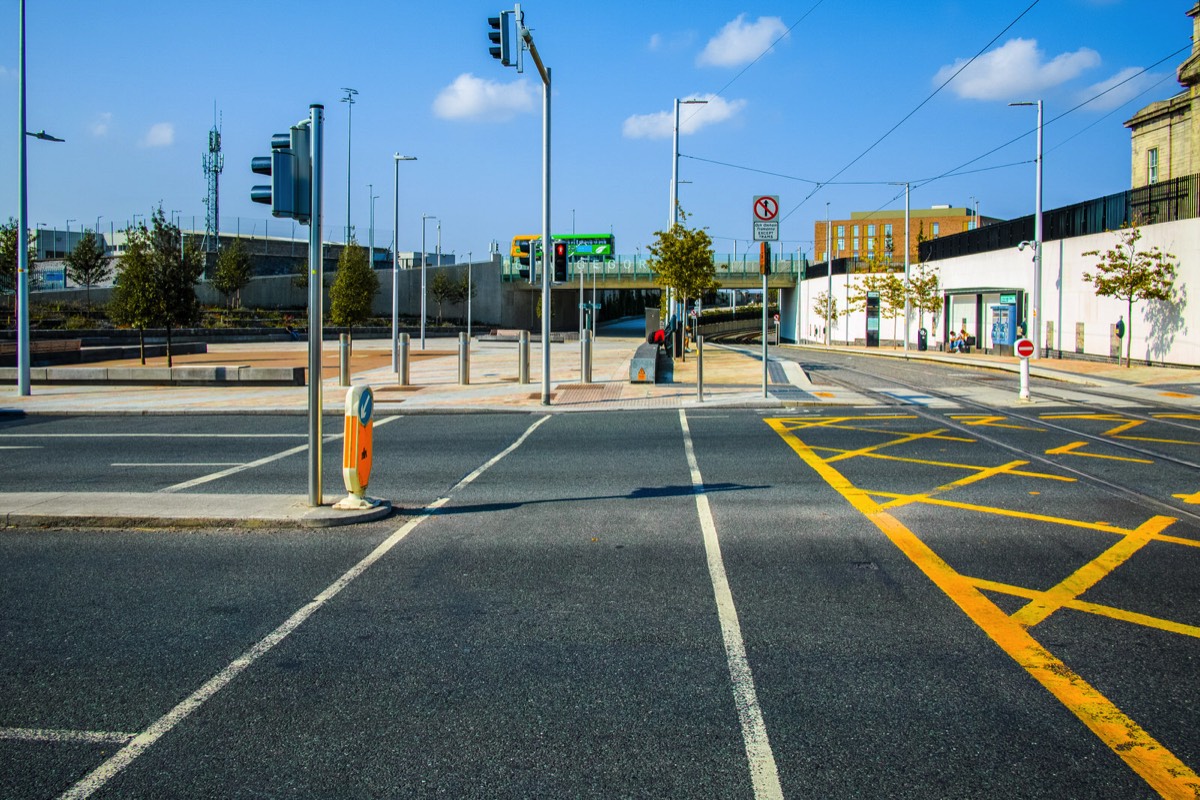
(396, 264)
(23, 221)
(674, 215)
(1036, 326)
(907, 293)
(371, 226)
(424, 217)
(348, 100)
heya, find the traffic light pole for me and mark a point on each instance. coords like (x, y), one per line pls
(546, 243)
(315, 299)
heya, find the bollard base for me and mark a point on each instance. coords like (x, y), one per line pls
(354, 502)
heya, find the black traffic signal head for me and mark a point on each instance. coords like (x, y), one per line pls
(290, 168)
(501, 38)
(560, 262)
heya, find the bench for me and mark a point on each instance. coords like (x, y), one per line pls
(43, 350)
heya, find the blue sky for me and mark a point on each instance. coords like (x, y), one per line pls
(131, 86)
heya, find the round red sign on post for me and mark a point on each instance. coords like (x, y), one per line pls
(1024, 348)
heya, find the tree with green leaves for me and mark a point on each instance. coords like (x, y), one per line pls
(924, 294)
(133, 302)
(87, 265)
(467, 290)
(682, 260)
(1130, 274)
(8, 259)
(354, 288)
(232, 273)
(156, 280)
(442, 289)
(822, 304)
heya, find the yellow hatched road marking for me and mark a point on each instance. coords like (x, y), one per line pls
(906, 439)
(1087, 576)
(1069, 450)
(1008, 512)
(1190, 499)
(947, 487)
(1160, 768)
(948, 464)
(1176, 416)
(991, 422)
(1098, 609)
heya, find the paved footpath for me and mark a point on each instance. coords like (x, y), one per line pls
(733, 377)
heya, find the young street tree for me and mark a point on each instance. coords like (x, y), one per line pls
(156, 281)
(232, 273)
(443, 290)
(682, 260)
(924, 293)
(87, 265)
(8, 260)
(820, 305)
(354, 288)
(1129, 274)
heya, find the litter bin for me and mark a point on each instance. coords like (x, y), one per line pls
(922, 339)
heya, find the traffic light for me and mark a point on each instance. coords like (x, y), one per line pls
(764, 258)
(560, 262)
(290, 168)
(500, 37)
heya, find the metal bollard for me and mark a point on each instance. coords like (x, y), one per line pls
(464, 360)
(402, 372)
(700, 369)
(523, 357)
(585, 356)
(344, 358)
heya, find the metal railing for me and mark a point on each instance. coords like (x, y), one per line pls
(634, 269)
(1167, 201)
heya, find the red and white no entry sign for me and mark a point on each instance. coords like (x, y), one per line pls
(766, 208)
(1024, 348)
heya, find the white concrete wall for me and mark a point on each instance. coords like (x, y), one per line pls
(1161, 332)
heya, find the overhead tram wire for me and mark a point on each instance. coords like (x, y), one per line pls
(907, 116)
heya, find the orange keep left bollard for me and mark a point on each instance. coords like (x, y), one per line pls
(357, 450)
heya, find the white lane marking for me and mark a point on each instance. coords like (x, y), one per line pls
(763, 773)
(20, 447)
(152, 435)
(47, 735)
(141, 742)
(178, 464)
(225, 473)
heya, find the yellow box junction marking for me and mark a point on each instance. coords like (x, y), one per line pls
(1126, 425)
(991, 421)
(1190, 499)
(1159, 767)
(1069, 450)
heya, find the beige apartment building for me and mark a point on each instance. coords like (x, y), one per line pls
(1164, 134)
(870, 233)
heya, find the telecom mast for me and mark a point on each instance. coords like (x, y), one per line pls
(214, 162)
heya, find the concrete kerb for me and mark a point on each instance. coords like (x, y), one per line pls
(176, 510)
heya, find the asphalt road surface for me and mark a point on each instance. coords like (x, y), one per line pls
(898, 599)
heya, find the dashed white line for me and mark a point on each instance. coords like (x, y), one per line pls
(49, 735)
(146, 739)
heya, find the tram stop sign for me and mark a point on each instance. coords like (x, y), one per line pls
(1024, 348)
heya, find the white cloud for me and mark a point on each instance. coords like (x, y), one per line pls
(99, 126)
(740, 42)
(692, 118)
(656, 41)
(474, 98)
(1015, 70)
(1129, 88)
(6, 73)
(161, 134)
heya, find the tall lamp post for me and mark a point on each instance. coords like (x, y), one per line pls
(23, 223)
(1036, 325)
(674, 215)
(907, 306)
(424, 217)
(396, 265)
(349, 101)
(371, 227)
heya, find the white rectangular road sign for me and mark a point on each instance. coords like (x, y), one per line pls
(766, 231)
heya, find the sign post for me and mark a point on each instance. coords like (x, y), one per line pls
(1024, 349)
(766, 229)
